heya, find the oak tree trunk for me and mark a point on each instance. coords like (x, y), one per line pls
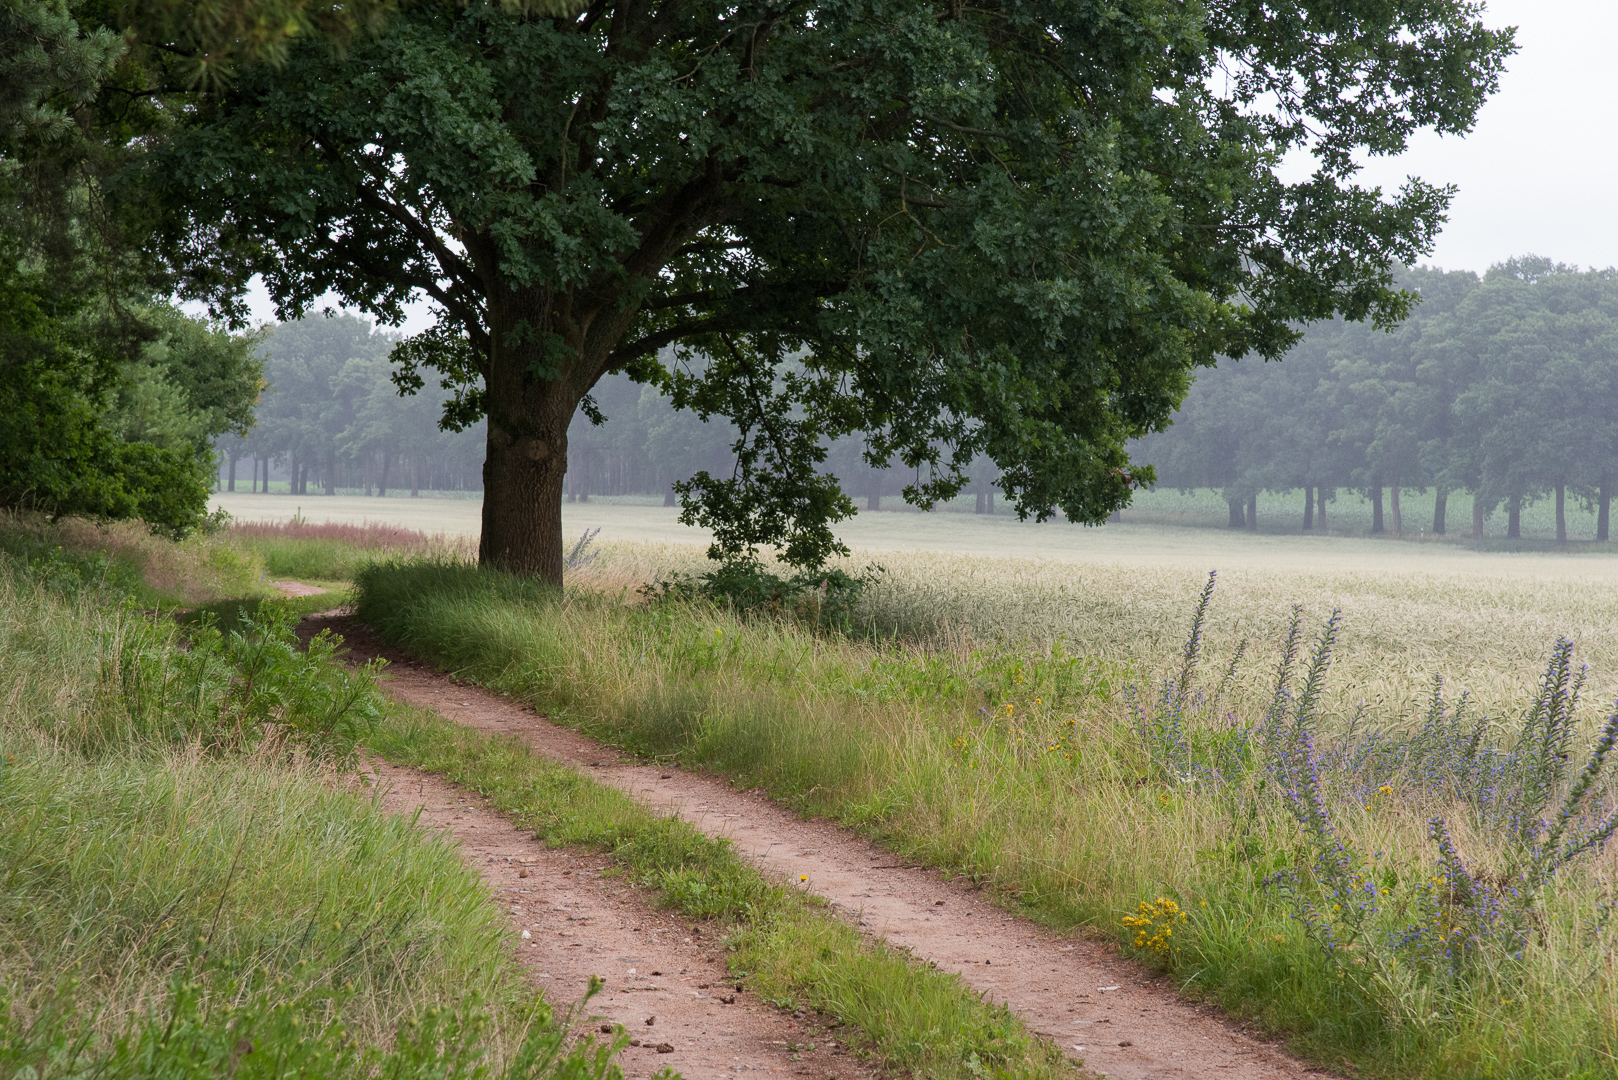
(525, 470)
(1308, 508)
(1393, 508)
(1603, 508)
(1237, 519)
(1561, 513)
(1440, 504)
(232, 486)
(1376, 507)
(1320, 508)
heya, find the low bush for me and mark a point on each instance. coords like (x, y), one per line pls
(827, 597)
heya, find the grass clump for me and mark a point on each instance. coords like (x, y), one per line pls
(192, 883)
(336, 552)
(914, 1020)
(1034, 772)
(125, 558)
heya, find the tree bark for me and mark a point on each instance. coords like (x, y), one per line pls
(1477, 516)
(1561, 513)
(1376, 507)
(1603, 508)
(1514, 518)
(1252, 512)
(1393, 508)
(1238, 520)
(232, 486)
(1320, 512)
(1440, 504)
(1308, 508)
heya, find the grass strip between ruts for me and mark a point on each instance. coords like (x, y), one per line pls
(910, 1018)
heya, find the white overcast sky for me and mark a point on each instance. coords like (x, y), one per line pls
(1539, 173)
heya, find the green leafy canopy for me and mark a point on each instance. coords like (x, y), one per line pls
(1002, 229)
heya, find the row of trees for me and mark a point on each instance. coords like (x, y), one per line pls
(332, 417)
(1505, 386)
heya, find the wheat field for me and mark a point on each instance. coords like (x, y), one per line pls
(1412, 608)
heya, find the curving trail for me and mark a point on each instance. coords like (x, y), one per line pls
(1121, 1020)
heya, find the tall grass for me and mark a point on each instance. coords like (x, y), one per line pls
(185, 880)
(1022, 768)
(335, 552)
(125, 556)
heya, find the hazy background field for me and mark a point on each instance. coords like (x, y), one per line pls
(1413, 608)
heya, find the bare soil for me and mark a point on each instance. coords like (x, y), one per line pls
(666, 982)
(1117, 1017)
(298, 588)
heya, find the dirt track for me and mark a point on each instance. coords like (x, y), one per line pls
(1122, 1020)
(580, 924)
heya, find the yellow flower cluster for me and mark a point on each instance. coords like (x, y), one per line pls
(1154, 926)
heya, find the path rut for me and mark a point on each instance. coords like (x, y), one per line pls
(580, 923)
(1122, 1020)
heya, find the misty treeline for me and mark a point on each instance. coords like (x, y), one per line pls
(330, 418)
(1505, 386)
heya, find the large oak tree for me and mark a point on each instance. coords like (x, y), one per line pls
(1009, 228)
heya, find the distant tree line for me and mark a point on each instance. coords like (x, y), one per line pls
(331, 417)
(1505, 386)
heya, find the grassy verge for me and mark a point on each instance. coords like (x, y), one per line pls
(125, 558)
(1024, 771)
(912, 1020)
(332, 552)
(192, 884)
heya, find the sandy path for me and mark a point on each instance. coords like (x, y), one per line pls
(581, 923)
(1122, 1020)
